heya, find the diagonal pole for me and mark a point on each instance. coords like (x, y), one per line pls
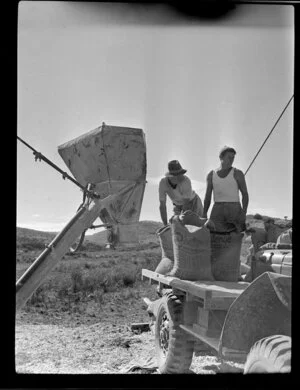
(40, 156)
(269, 134)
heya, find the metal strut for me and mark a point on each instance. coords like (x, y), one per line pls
(40, 268)
(40, 156)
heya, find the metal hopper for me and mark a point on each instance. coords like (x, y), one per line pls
(111, 157)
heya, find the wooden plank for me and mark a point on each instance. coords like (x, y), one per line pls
(189, 287)
(211, 341)
(202, 317)
(221, 303)
(213, 295)
(199, 288)
(207, 298)
(192, 298)
(157, 277)
(140, 326)
(218, 289)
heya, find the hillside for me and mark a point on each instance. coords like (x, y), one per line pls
(35, 239)
(146, 231)
(258, 219)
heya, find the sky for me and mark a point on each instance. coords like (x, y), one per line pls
(193, 85)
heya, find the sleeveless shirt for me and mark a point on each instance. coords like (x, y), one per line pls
(225, 189)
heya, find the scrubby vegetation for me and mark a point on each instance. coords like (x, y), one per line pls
(93, 275)
(88, 277)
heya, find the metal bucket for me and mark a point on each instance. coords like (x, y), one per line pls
(111, 157)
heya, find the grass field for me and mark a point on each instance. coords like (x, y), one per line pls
(79, 320)
(94, 274)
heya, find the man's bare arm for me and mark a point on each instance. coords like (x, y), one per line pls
(240, 178)
(163, 212)
(207, 198)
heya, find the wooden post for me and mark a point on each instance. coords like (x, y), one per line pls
(36, 273)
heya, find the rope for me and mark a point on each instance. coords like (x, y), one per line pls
(269, 134)
(39, 156)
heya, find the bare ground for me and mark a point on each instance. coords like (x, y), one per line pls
(99, 343)
(94, 336)
(94, 349)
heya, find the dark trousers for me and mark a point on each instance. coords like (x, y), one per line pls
(228, 216)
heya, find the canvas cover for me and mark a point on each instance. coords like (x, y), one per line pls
(111, 157)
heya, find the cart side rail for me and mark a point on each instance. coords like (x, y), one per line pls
(215, 295)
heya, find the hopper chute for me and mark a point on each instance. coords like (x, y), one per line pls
(110, 158)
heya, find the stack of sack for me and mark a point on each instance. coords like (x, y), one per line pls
(185, 251)
(165, 239)
(191, 251)
(225, 255)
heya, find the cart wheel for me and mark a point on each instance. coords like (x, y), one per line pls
(270, 354)
(77, 244)
(174, 348)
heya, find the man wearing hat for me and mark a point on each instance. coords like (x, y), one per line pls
(259, 237)
(178, 187)
(225, 183)
(273, 231)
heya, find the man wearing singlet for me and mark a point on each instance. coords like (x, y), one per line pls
(178, 187)
(225, 183)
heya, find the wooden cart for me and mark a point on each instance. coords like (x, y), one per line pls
(193, 313)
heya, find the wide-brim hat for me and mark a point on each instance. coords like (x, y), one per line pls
(175, 168)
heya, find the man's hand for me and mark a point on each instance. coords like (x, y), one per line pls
(189, 217)
(184, 215)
